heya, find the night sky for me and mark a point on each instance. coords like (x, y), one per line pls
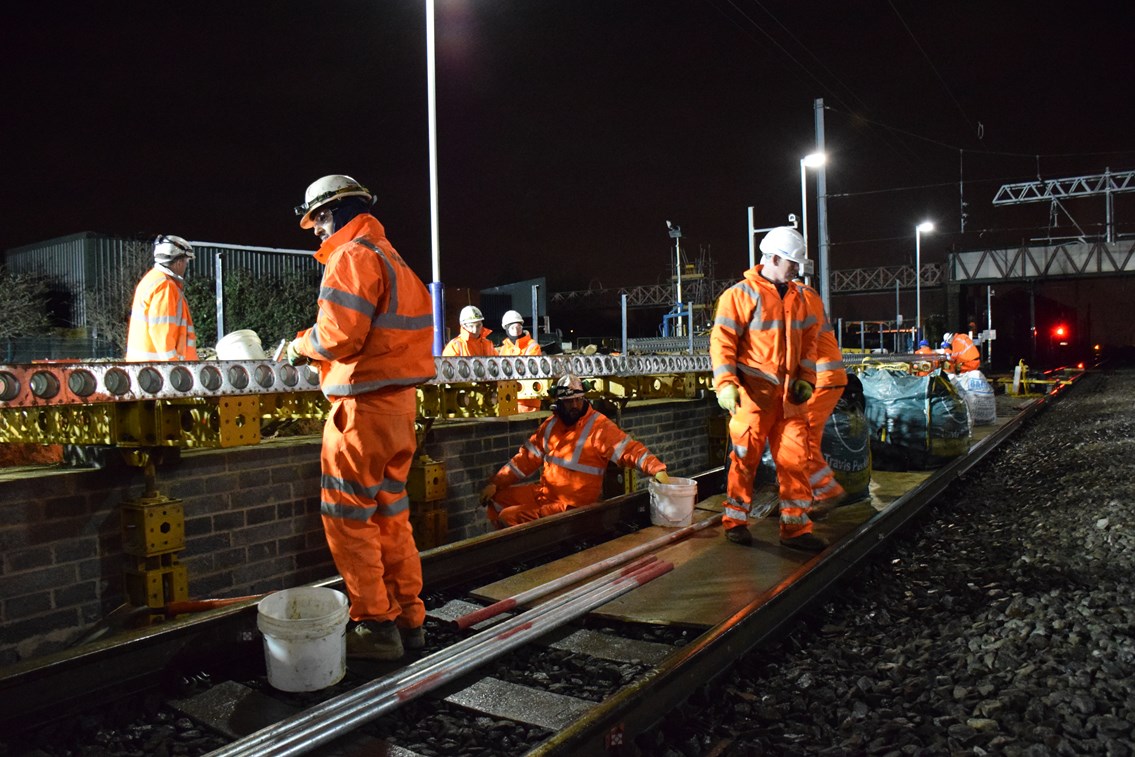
(569, 131)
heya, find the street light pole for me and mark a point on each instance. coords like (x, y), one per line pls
(919, 230)
(812, 160)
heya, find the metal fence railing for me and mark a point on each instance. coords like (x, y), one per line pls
(28, 349)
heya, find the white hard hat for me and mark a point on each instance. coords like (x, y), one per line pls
(325, 190)
(948, 336)
(786, 242)
(511, 317)
(470, 314)
(566, 387)
(169, 248)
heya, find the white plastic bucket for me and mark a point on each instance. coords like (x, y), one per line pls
(305, 637)
(672, 504)
(243, 344)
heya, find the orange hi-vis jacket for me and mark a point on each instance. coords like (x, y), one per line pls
(830, 370)
(375, 322)
(964, 353)
(575, 458)
(525, 345)
(757, 335)
(467, 345)
(161, 327)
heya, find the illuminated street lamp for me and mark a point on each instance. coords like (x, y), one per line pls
(923, 228)
(812, 160)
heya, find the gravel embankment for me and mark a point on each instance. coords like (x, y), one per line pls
(1004, 624)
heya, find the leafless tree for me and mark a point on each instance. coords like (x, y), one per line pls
(23, 306)
(110, 298)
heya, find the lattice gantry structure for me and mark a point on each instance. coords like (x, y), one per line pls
(214, 403)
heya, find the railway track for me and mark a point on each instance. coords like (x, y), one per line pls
(639, 672)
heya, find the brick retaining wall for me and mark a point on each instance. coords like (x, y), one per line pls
(251, 517)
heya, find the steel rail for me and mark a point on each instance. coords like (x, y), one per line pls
(509, 603)
(61, 684)
(639, 707)
(345, 713)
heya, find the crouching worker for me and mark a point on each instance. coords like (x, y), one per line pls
(573, 445)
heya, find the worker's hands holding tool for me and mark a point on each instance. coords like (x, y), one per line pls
(662, 477)
(293, 354)
(487, 494)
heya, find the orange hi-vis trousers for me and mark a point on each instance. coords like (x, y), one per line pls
(759, 418)
(821, 478)
(368, 445)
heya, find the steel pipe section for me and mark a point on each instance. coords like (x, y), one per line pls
(44, 384)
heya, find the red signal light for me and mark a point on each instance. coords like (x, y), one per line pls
(1060, 330)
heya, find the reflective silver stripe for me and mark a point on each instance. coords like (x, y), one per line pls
(796, 520)
(354, 488)
(736, 510)
(641, 462)
(751, 371)
(826, 327)
(740, 450)
(319, 347)
(519, 473)
(347, 300)
(347, 512)
(392, 299)
(345, 390)
(397, 322)
(830, 365)
(352, 512)
(745, 287)
(725, 369)
(617, 452)
(831, 487)
(758, 325)
(528, 445)
(819, 476)
(727, 322)
(811, 319)
(577, 451)
(809, 364)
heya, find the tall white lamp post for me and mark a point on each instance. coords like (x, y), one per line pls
(923, 228)
(812, 160)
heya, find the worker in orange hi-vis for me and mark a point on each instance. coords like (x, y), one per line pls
(518, 343)
(372, 341)
(473, 340)
(928, 363)
(961, 351)
(161, 327)
(831, 380)
(763, 348)
(573, 447)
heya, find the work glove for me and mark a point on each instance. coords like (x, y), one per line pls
(728, 396)
(293, 354)
(487, 494)
(801, 391)
(662, 477)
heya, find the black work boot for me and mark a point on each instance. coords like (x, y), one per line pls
(808, 542)
(374, 640)
(739, 535)
(413, 638)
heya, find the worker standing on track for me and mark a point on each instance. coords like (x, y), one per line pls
(763, 349)
(161, 327)
(831, 379)
(573, 445)
(961, 352)
(473, 340)
(372, 342)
